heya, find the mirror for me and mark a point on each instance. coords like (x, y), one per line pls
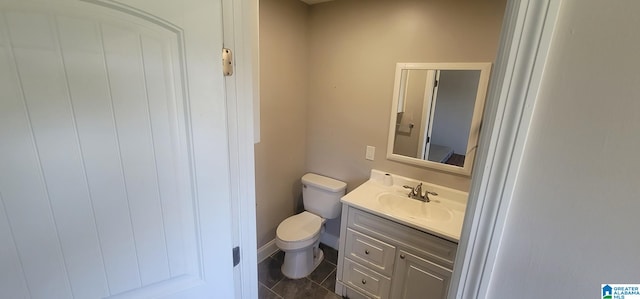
(436, 114)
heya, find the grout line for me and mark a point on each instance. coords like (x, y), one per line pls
(322, 287)
(268, 260)
(275, 284)
(313, 282)
(333, 271)
(325, 279)
(271, 291)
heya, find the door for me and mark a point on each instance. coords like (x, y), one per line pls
(428, 111)
(114, 163)
(417, 278)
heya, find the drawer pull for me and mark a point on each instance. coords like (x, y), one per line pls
(366, 251)
(364, 281)
(402, 256)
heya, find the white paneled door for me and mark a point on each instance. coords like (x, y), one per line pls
(114, 163)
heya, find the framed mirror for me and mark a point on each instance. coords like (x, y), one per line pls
(436, 114)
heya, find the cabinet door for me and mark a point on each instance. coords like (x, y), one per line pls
(415, 277)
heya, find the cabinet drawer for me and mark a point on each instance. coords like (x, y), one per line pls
(370, 252)
(365, 280)
(437, 249)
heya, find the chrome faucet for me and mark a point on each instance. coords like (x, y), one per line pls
(418, 193)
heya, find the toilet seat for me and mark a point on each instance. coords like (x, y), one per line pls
(298, 231)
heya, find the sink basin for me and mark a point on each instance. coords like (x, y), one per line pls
(401, 204)
(443, 216)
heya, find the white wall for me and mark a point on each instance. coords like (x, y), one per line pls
(574, 221)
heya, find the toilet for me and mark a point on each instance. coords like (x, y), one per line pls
(299, 235)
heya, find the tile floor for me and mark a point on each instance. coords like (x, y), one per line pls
(318, 285)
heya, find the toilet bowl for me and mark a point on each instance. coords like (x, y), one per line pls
(299, 235)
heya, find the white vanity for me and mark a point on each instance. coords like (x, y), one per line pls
(392, 246)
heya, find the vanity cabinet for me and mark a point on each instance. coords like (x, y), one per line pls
(380, 258)
(416, 277)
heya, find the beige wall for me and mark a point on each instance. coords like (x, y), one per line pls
(280, 156)
(354, 46)
(573, 223)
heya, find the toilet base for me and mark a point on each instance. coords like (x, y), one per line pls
(300, 263)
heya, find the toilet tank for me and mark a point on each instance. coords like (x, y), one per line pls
(321, 195)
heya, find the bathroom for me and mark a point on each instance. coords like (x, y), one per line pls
(326, 85)
(81, 216)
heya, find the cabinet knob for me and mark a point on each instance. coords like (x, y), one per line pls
(364, 281)
(366, 251)
(402, 256)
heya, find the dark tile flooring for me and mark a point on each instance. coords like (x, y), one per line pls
(320, 284)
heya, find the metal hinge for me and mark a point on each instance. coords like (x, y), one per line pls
(227, 62)
(236, 255)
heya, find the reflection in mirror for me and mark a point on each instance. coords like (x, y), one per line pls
(447, 97)
(436, 114)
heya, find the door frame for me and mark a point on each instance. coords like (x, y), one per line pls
(240, 25)
(428, 104)
(524, 46)
(526, 35)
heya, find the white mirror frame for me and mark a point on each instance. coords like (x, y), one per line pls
(476, 121)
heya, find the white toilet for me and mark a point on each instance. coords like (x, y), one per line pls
(299, 235)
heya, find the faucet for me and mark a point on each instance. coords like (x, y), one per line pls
(418, 193)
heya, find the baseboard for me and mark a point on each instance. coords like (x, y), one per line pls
(330, 240)
(270, 248)
(267, 250)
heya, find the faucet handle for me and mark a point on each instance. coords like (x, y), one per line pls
(408, 187)
(412, 191)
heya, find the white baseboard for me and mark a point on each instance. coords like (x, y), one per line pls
(270, 248)
(330, 240)
(267, 250)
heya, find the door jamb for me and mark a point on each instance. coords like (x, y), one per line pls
(525, 40)
(240, 23)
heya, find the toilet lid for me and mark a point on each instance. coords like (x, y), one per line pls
(299, 227)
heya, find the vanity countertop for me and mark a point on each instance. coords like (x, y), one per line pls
(366, 197)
